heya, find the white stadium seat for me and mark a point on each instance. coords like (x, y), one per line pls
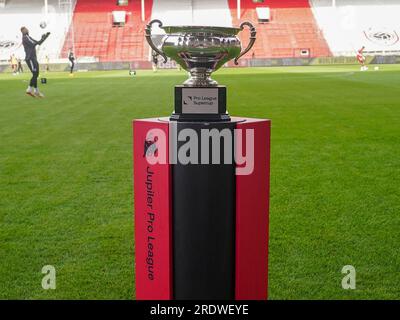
(263, 14)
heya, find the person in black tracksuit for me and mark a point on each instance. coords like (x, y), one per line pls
(31, 60)
(20, 68)
(71, 59)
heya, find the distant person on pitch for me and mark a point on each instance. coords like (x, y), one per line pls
(47, 60)
(71, 59)
(20, 68)
(154, 57)
(31, 60)
(361, 59)
(14, 64)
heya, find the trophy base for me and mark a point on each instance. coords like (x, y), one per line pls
(188, 117)
(200, 82)
(200, 104)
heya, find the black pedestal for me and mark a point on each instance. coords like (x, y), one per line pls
(204, 223)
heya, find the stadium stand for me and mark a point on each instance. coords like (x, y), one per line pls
(16, 13)
(286, 28)
(351, 24)
(95, 34)
(291, 31)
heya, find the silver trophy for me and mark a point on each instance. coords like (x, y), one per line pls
(200, 50)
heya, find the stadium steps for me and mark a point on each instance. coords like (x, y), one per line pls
(95, 36)
(291, 29)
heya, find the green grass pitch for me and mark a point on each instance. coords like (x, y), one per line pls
(66, 178)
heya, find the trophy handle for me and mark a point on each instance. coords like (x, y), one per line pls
(252, 39)
(150, 42)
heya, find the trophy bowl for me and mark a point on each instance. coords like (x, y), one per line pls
(200, 50)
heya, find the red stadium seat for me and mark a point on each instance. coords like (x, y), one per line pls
(292, 28)
(95, 36)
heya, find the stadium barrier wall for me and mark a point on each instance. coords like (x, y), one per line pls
(267, 62)
(385, 60)
(87, 66)
(338, 60)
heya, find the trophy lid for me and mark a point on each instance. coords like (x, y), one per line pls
(201, 29)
